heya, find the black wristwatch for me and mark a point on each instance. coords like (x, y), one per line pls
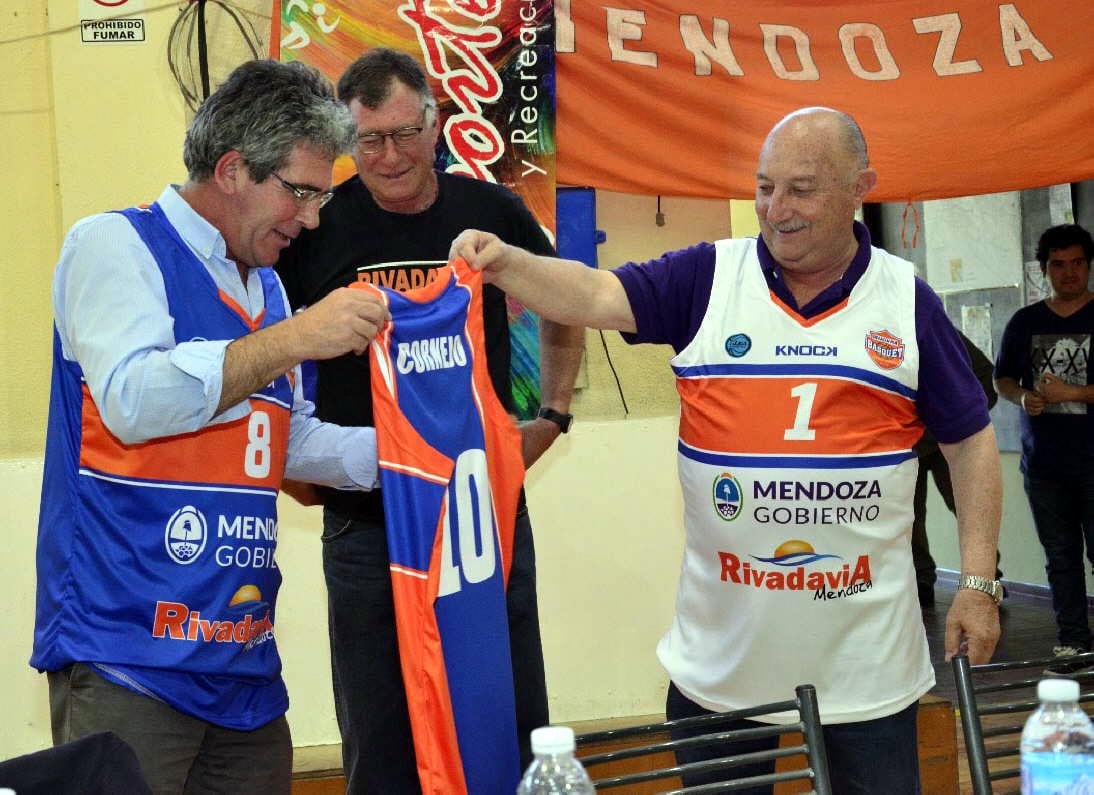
(563, 421)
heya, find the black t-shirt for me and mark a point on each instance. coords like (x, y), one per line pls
(354, 232)
(1059, 442)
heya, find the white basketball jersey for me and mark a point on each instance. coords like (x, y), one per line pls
(798, 475)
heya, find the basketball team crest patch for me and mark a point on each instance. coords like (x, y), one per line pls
(886, 349)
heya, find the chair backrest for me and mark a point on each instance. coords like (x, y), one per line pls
(649, 762)
(994, 701)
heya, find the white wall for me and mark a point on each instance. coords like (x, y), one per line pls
(1023, 560)
(24, 702)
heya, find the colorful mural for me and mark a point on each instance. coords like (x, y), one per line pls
(492, 67)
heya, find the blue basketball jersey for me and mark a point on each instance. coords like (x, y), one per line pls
(451, 472)
(156, 560)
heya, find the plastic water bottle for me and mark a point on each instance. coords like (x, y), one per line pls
(1058, 743)
(554, 770)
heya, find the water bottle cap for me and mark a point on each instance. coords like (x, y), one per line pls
(1058, 690)
(552, 740)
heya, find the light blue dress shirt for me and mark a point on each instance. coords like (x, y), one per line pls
(112, 316)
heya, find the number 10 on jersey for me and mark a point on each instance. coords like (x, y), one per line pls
(469, 518)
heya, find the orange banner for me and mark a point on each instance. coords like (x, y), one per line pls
(956, 97)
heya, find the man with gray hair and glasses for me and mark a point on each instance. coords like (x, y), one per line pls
(175, 411)
(390, 224)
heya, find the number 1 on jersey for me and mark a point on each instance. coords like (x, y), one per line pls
(801, 432)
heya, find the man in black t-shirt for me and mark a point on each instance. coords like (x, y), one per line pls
(400, 209)
(1044, 367)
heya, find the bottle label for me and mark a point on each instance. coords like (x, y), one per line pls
(1057, 774)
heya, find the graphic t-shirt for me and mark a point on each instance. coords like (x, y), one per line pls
(1036, 341)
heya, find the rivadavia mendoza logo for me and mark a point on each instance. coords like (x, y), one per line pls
(728, 499)
(185, 535)
(797, 566)
(179, 621)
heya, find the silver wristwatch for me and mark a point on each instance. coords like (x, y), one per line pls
(992, 588)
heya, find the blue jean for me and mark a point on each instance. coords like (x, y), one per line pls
(369, 697)
(1063, 513)
(864, 758)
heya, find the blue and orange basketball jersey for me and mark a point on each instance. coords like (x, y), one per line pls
(451, 473)
(188, 616)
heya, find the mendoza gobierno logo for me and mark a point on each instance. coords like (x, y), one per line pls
(186, 534)
(728, 499)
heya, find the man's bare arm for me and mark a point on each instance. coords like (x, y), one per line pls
(1056, 390)
(1029, 401)
(565, 291)
(560, 350)
(978, 496)
(344, 321)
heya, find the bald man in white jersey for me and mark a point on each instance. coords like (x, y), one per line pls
(808, 363)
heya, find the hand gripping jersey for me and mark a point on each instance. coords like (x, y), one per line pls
(796, 461)
(451, 472)
(156, 560)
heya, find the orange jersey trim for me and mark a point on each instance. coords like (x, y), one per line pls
(806, 322)
(427, 686)
(214, 454)
(756, 412)
(253, 323)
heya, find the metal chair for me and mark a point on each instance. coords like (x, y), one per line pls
(991, 743)
(812, 748)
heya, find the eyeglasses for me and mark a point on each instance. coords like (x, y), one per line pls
(305, 196)
(373, 143)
